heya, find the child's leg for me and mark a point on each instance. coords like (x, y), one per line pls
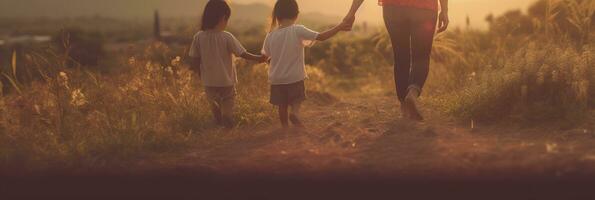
(284, 115)
(227, 112)
(215, 103)
(294, 116)
(216, 109)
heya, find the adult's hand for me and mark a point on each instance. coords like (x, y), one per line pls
(350, 18)
(443, 22)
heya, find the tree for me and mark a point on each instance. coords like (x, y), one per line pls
(157, 26)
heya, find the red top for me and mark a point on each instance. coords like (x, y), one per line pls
(424, 4)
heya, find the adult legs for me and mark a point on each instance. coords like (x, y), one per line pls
(422, 37)
(412, 32)
(398, 27)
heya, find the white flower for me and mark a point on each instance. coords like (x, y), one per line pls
(176, 61)
(63, 79)
(78, 98)
(169, 70)
(132, 60)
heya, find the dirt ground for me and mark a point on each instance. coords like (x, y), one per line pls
(365, 136)
(352, 148)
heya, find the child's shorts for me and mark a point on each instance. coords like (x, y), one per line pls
(288, 94)
(220, 94)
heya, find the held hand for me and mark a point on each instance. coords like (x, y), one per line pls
(443, 22)
(263, 58)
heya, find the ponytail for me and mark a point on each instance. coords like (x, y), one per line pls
(274, 23)
(284, 9)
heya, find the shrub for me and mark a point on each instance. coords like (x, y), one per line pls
(540, 82)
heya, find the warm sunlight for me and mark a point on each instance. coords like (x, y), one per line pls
(297, 99)
(477, 10)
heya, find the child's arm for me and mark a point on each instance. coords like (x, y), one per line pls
(253, 57)
(237, 49)
(332, 32)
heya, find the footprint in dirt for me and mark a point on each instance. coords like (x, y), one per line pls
(334, 137)
(330, 134)
(408, 127)
(429, 131)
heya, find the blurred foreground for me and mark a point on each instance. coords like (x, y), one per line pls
(513, 102)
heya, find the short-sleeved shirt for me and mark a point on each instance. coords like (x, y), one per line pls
(215, 50)
(285, 46)
(423, 4)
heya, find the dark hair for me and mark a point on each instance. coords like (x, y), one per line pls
(215, 10)
(284, 9)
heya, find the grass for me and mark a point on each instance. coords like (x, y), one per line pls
(538, 83)
(78, 118)
(55, 112)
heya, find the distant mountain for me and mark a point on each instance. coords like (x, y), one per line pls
(108, 8)
(136, 9)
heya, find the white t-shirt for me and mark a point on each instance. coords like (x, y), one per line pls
(215, 50)
(285, 47)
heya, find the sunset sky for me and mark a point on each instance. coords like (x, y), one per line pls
(459, 9)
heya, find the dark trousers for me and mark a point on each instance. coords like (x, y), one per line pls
(411, 31)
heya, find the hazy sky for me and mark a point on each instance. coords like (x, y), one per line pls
(459, 9)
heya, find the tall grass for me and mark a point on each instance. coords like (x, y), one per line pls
(77, 118)
(538, 83)
(54, 112)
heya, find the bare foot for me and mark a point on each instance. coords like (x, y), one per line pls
(412, 107)
(296, 121)
(404, 112)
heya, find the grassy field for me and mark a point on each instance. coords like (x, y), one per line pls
(55, 113)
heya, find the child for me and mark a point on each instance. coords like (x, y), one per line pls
(284, 44)
(211, 54)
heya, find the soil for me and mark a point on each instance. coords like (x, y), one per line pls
(365, 136)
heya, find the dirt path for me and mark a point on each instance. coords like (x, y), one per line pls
(364, 135)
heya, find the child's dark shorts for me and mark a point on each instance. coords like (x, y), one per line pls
(288, 94)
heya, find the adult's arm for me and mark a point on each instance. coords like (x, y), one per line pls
(350, 18)
(354, 7)
(443, 20)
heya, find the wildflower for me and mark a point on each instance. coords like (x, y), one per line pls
(472, 76)
(78, 98)
(64, 76)
(63, 79)
(169, 70)
(149, 66)
(132, 60)
(176, 61)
